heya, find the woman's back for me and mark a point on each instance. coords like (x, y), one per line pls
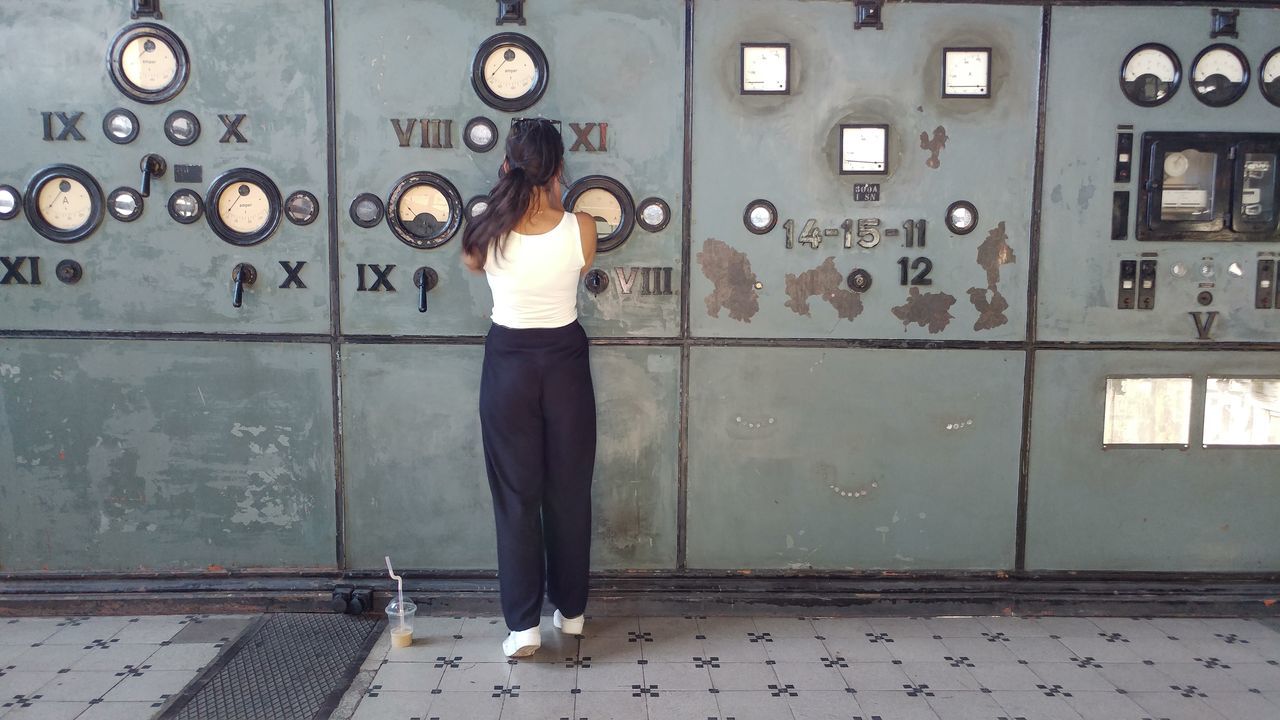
(535, 280)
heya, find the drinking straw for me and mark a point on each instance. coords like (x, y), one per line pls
(399, 589)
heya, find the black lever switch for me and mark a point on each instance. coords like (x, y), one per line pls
(424, 278)
(244, 274)
(152, 165)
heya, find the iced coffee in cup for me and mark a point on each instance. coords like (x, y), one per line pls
(400, 619)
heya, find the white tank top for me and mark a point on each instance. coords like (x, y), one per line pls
(535, 283)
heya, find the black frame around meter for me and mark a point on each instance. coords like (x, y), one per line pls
(626, 206)
(115, 61)
(36, 217)
(425, 231)
(1230, 191)
(248, 176)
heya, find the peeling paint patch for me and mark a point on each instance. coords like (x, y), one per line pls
(1085, 195)
(735, 283)
(960, 425)
(929, 310)
(825, 281)
(1056, 196)
(934, 145)
(992, 253)
(9, 371)
(239, 430)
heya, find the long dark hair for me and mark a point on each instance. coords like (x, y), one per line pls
(535, 155)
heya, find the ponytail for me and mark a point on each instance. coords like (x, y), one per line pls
(535, 153)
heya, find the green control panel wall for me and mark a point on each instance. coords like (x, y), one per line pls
(933, 286)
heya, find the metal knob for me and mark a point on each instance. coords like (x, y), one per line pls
(424, 278)
(244, 274)
(152, 165)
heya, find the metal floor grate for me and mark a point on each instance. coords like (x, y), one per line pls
(290, 666)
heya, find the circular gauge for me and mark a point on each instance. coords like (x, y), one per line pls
(181, 127)
(244, 206)
(64, 203)
(1176, 164)
(125, 204)
(1178, 269)
(185, 206)
(653, 214)
(424, 210)
(120, 126)
(476, 206)
(962, 217)
(1269, 77)
(606, 200)
(481, 135)
(1219, 75)
(302, 208)
(509, 72)
(366, 210)
(148, 63)
(10, 201)
(760, 216)
(1150, 74)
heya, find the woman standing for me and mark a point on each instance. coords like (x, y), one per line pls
(537, 403)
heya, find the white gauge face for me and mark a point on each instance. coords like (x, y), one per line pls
(481, 134)
(477, 209)
(1219, 62)
(186, 205)
(149, 63)
(182, 128)
(301, 208)
(124, 205)
(962, 218)
(603, 206)
(966, 72)
(423, 210)
(653, 214)
(764, 69)
(510, 72)
(120, 126)
(1271, 69)
(862, 149)
(1150, 62)
(760, 217)
(64, 203)
(1176, 164)
(8, 201)
(244, 207)
(1179, 269)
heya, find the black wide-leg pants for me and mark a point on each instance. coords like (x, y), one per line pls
(538, 423)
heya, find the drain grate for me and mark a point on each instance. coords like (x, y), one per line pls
(289, 666)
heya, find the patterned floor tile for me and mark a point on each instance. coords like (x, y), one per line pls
(1257, 676)
(19, 682)
(956, 627)
(457, 705)
(815, 676)
(1103, 650)
(749, 705)
(1106, 706)
(858, 649)
(940, 676)
(1034, 705)
(796, 649)
(824, 705)
(83, 631)
(676, 649)
(681, 677)
(1004, 676)
(978, 649)
(894, 706)
(537, 706)
(212, 629)
(743, 676)
(726, 626)
(153, 685)
(682, 704)
(1131, 628)
(784, 627)
(735, 650)
(116, 657)
(605, 677)
(612, 648)
(1067, 626)
(537, 677)
(1071, 677)
(50, 657)
(415, 677)
(1174, 706)
(25, 631)
(1197, 675)
(916, 649)
(392, 705)
(490, 627)
(841, 627)
(150, 629)
(901, 627)
(79, 686)
(1015, 627)
(472, 676)
(1039, 649)
(610, 706)
(964, 706)
(1242, 706)
(874, 676)
(669, 627)
(1138, 677)
(45, 711)
(119, 711)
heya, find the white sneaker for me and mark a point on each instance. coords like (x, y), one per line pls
(522, 643)
(568, 626)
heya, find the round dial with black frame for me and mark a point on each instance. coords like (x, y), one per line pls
(148, 63)
(424, 210)
(609, 203)
(1150, 75)
(1219, 75)
(64, 203)
(509, 72)
(244, 206)
(1269, 77)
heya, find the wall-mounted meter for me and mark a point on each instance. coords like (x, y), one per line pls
(1150, 75)
(424, 210)
(766, 69)
(1219, 75)
(244, 207)
(1269, 77)
(966, 72)
(606, 200)
(509, 72)
(64, 203)
(1208, 187)
(864, 149)
(148, 63)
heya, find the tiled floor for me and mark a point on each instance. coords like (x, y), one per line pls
(104, 668)
(767, 668)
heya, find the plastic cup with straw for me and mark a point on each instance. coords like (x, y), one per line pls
(400, 613)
